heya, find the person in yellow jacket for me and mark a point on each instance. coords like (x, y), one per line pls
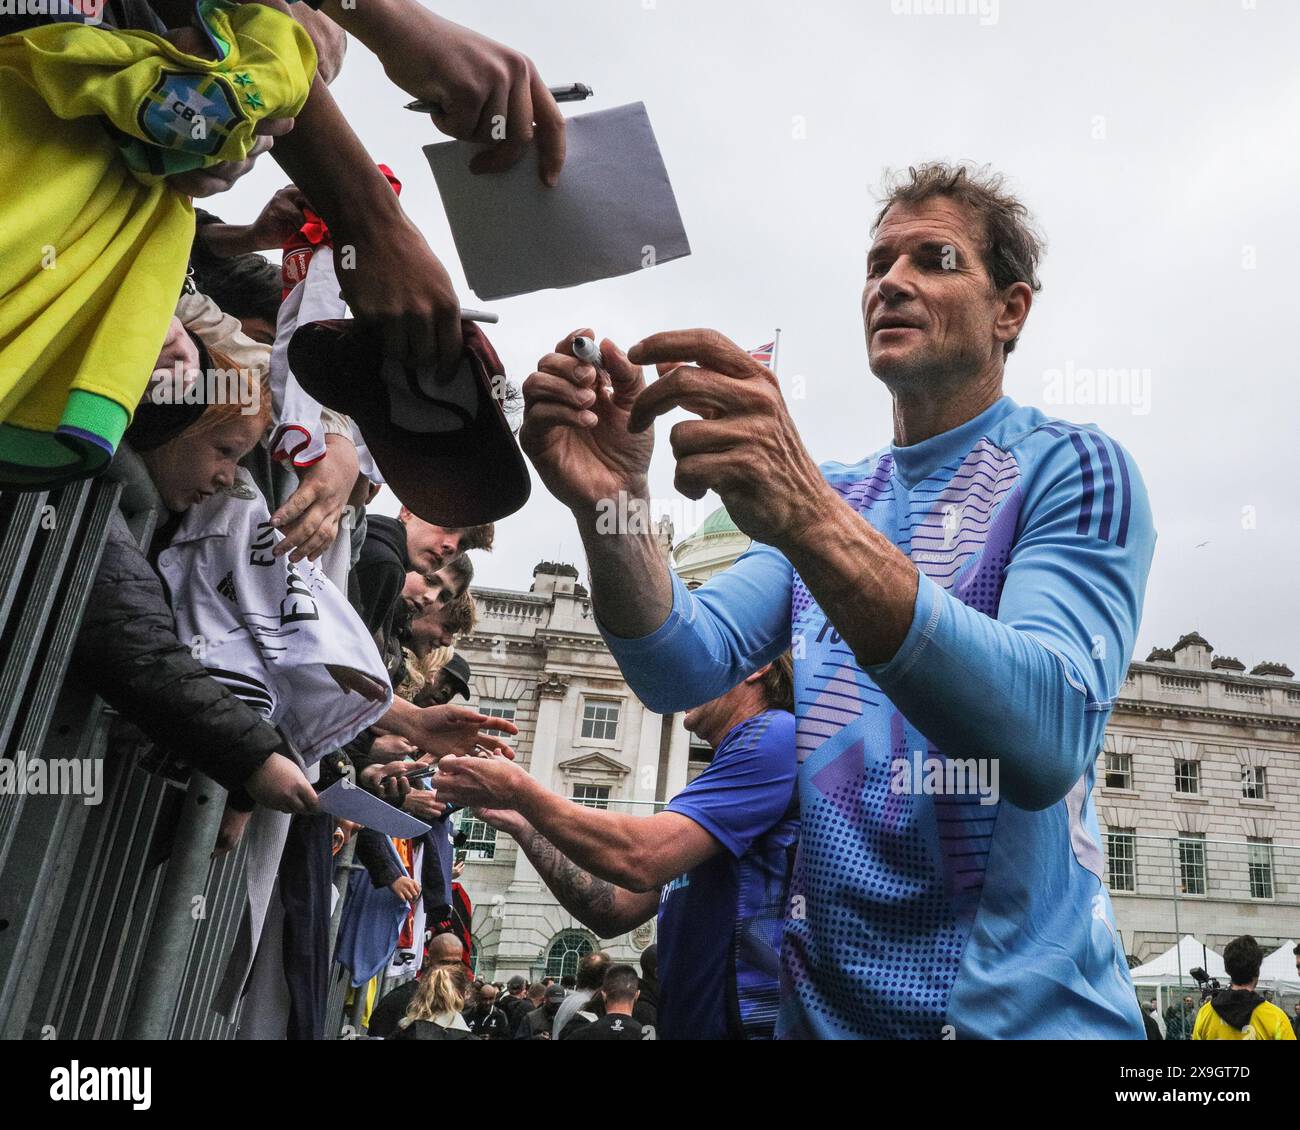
(1238, 1012)
(93, 241)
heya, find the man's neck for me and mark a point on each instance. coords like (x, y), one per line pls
(618, 1008)
(742, 712)
(924, 409)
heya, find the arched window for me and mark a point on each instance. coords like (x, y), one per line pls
(565, 951)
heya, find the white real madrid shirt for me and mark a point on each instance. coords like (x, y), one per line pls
(275, 633)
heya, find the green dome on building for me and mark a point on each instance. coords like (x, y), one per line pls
(710, 549)
(719, 522)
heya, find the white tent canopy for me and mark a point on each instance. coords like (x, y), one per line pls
(1278, 971)
(1163, 970)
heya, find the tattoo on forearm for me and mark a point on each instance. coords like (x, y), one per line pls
(580, 892)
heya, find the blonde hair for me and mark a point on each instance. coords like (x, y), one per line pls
(422, 671)
(243, 387)
(442, 989)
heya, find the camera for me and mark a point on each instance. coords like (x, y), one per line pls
(1207, 984)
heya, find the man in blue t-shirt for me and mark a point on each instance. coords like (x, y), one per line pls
(714, 866)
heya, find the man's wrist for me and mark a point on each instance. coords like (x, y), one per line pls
(365, 215)
(526, 799)
(810, 522)
(370, 21)
(226, 241)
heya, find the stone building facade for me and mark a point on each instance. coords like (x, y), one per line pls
(538, 659)
(1198, 798)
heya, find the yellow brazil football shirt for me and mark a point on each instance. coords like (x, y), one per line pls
(93, 242)
(1267, 1022)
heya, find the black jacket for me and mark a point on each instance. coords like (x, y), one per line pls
(381, 572)
(129, 654)
(492, 1024)
(375, 590)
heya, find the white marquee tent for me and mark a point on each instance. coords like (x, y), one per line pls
(1162, 973)
(1278, 973)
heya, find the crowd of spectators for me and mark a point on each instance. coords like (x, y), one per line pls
(605, 1001)
(285, 623)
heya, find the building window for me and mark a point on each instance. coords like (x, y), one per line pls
(1187, 776)
(480, 839)
(564, 953)
(1119, 770)
(600, 720)
(498, 708)
(592, 796)
(1121, 859)
(1254, 782)
(1260, 861)
(1191, 862)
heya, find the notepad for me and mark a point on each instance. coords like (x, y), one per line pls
(613, 211)
(347, 800)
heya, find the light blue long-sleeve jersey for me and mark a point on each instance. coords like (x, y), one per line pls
(925, 901)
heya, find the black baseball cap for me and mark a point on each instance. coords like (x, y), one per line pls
(456, 672)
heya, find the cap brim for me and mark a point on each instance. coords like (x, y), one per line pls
(465, 477)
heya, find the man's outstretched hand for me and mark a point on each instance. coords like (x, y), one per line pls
(488, 782)
(396, 285)
(575, 428)
(450, 730)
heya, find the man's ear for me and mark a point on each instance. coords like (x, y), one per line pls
(1016, 302)
(403, 514)
(759, 673)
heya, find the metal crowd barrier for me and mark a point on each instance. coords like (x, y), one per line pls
(101, 936)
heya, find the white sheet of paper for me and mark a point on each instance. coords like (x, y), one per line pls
(352, 803)
(612, 213)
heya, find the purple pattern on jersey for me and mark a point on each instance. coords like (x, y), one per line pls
(891, 880)
(955, 527)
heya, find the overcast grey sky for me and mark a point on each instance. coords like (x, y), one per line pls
(1158, 144)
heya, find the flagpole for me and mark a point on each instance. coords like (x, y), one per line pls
(776, 351)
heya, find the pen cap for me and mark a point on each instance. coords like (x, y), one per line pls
(585, 349)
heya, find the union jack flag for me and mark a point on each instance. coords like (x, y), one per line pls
(763, 354)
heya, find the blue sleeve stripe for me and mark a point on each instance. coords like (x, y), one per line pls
(1108, 486)
(1122, 537)
(1085, 473)
(1110, 457)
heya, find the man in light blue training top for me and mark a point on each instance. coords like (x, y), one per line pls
(962, 607)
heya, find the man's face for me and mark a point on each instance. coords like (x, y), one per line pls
(487, 995)
(178, 348)
(429, 547)
(428, 631)
(442, 693)
(697, 718)
(423, 591)
(929, 309)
